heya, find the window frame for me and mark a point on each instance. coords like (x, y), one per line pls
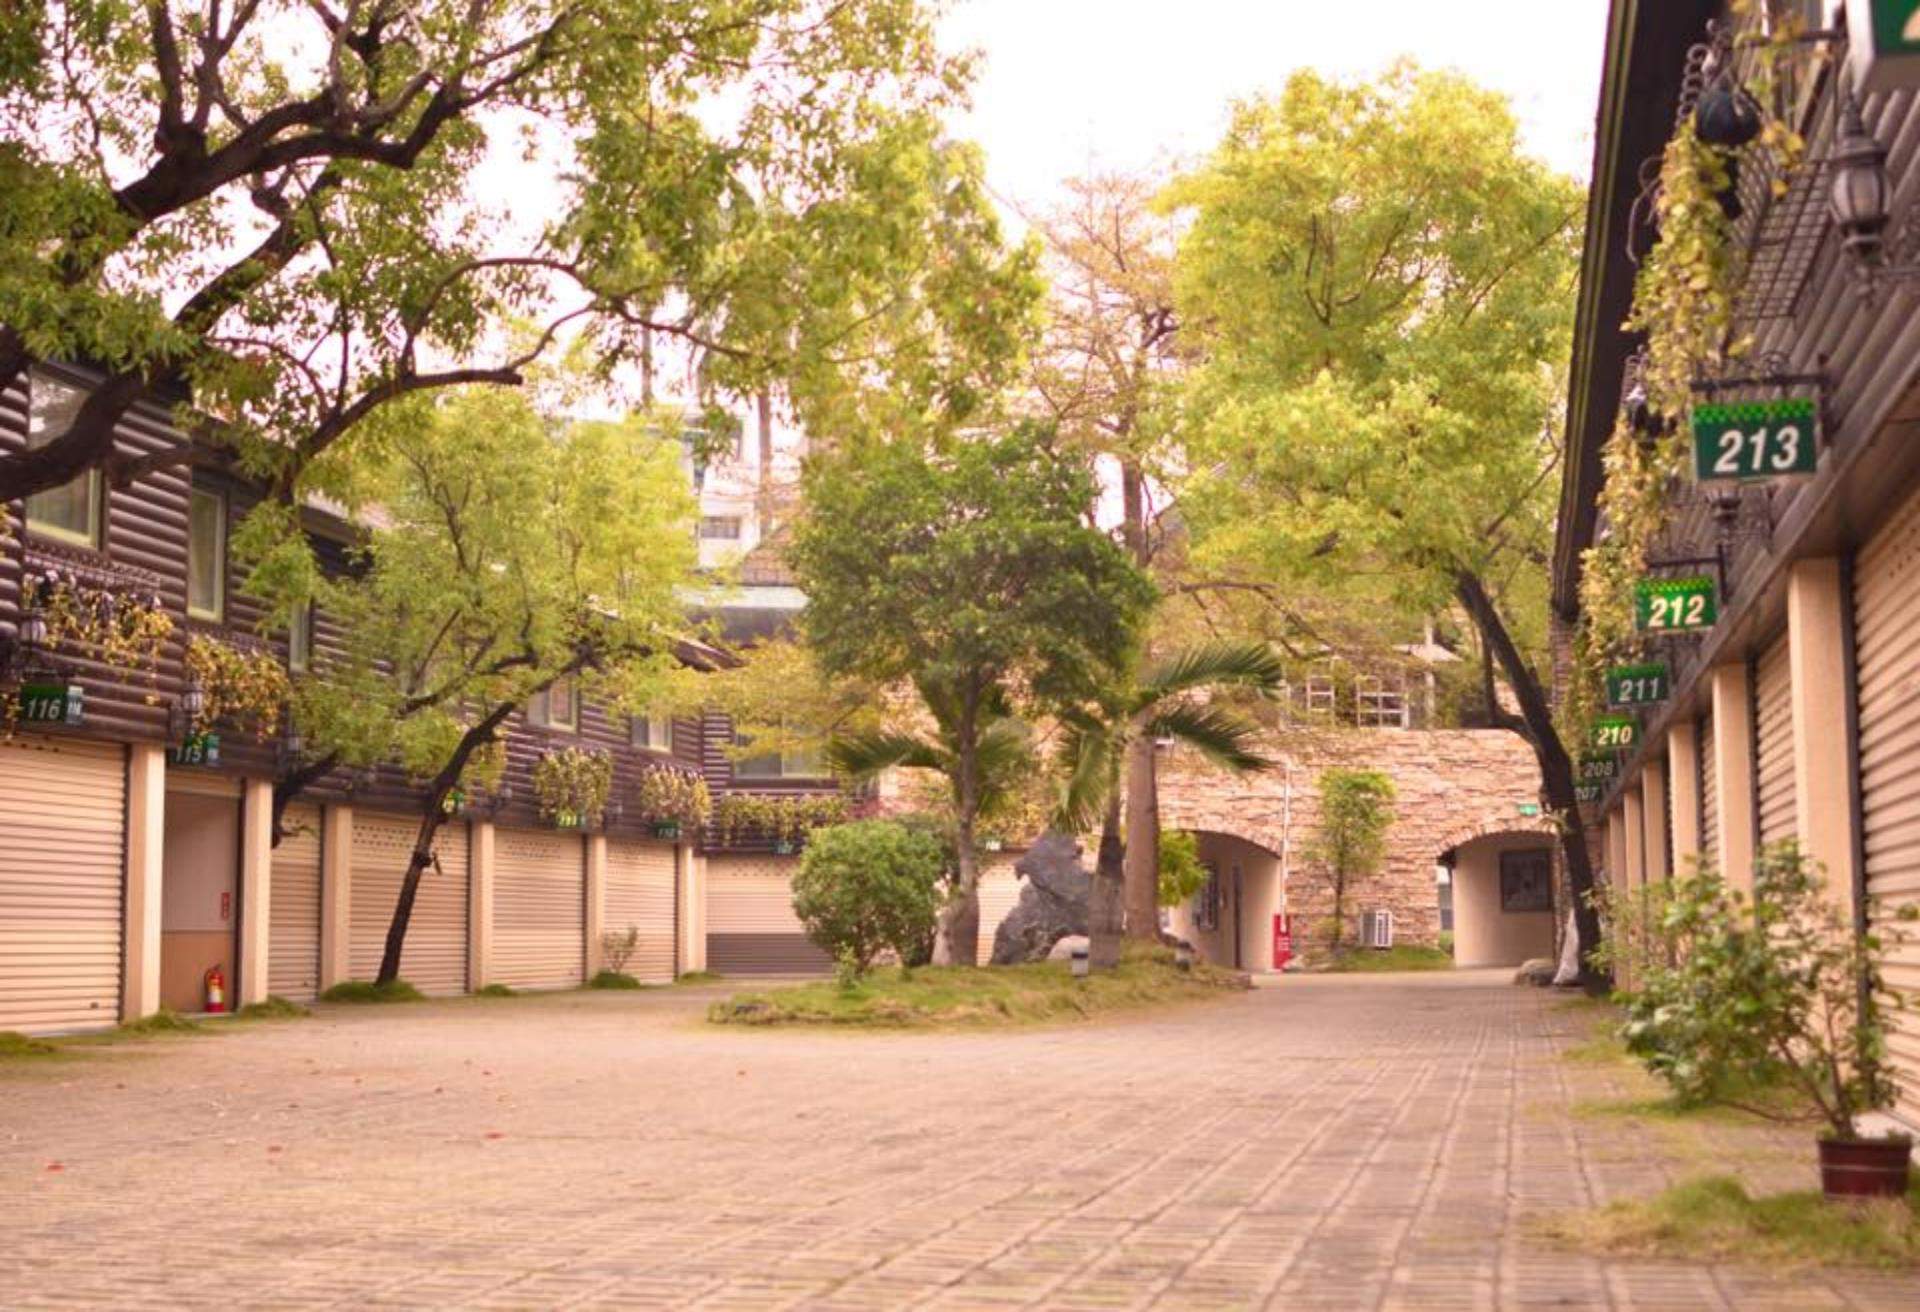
(638, 724)
(95, 535)
(782, 771)
(739, 523)
(300, 638)
(540, 707)
(218, 613)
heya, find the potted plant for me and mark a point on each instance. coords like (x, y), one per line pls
(572, 786)
(673, 798)
(1735, 998)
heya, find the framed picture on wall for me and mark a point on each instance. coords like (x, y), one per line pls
(1526, 880)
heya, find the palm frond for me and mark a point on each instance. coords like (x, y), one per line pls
(1227, 663)
(1087, 761)
(1222, 736)
(863, 755)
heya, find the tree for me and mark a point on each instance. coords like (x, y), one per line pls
(513, 552)
(1167, 700)
(868, 886)
(1350, 841)
(1106, 363)
(1384, 286)
(297, 215)
(971, 573)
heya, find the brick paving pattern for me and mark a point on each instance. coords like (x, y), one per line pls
(1356, 1143)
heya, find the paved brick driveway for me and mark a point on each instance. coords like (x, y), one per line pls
(1328, 1143)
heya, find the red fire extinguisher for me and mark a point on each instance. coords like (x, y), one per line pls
(216, 990)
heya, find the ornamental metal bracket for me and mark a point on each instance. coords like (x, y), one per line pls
(1768, 375)
(1718, 562)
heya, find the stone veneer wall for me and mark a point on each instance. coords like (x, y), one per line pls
(1451, 785)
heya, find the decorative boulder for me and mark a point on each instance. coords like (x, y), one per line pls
(1052, 905)
(1538, 971)
(1066, 947)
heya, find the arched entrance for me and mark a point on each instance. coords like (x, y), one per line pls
(1230, 923)
(1501, 877)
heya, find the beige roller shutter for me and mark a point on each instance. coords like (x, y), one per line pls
(293, 949)
(1773, 694)
(1709, 784)
(751, 928)
(539, 909)
(1887, 620)
(999, 891)
(434, 958)
(62, 870)
(640, 894)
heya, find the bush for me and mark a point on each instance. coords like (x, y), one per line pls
(495, 991)
(618, 946)
(1181, 874)
(866, 887)
(360, 990)
(614, 979)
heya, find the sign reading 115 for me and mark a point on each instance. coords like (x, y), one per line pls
(1674, 605)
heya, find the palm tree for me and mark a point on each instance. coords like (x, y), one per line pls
(1167, 701)
(983, 768)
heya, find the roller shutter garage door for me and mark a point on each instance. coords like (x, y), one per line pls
(1773, 725)
(539, 909)
(62, 875)
(640, 894)
(751, 928)
(293, 902)
(999, 892)
(1709, 784)
(1887, 626)
(434, 958)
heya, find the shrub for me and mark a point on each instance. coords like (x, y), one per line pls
(360, 990)
(868, 886)
(1181, 874)
(495, 991)
(617, 948)
(1733, 995)
(614, 979)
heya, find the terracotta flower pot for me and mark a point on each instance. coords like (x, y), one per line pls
(1865, 1168)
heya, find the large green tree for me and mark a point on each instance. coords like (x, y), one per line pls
(1382, 280)
(970, 571)
(296, 214)
(512, 551)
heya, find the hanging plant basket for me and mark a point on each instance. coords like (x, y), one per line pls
(666, 829)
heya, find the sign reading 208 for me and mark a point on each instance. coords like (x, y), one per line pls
(1756, 439)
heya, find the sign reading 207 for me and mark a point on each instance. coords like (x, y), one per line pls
(1675, 605)
(1756, 439)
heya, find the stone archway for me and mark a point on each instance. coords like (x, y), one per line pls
(1231, 922)
(1501, 881)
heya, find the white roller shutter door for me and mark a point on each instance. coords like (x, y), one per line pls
(999, 892)
(640, 894)
(1773, 697)
(1709, 785)
(434, 957)
(751, 927)
(539, 909)
(293, 950)
(62, 875)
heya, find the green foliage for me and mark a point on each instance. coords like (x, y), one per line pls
(15, 1046)
(572, 785)
(981, 997)
(164, 1021)
(1350, 840)
(670, 796)
(1400, 957)
(784, 818)
(273, 1007)
(496, 991)
(1732, 995)
(1714, 1218)
(614, 979)
(866, 887)
(365, 991)
(1181, 874)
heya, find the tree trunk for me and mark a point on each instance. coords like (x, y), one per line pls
(1143, 840)
(296, 781)
(1105, 912)
(763, 507)
(958, 941)
(1535, 725)
(433, 814)
(1339, 913)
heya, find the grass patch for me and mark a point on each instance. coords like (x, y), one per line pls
(699, 977)
(365, 991)
(15, 1046)
(1714, 1216)
(974, 996)
(1602, 1048)
(614, 979)
(163, 1021)
(274, 1007)
(496, 991)
(1405, 956)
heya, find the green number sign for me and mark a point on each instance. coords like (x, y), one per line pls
(52, 703)
(1615, 733)
(1588, 794)
(195, 749)
(1674, 605)
(1885, 43)
(1599, 769)
(1755, 439)
(1636, 685)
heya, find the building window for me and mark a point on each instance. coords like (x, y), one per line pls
(720, 528)
(206, 554)
(787, 763)
(70, 512)
(558, 707)
(300, 637)
(1376, 706)
(652, 733)
(1320, 694)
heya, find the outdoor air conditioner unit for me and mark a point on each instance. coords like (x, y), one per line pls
(1376, 929)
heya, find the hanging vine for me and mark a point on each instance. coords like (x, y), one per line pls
(127, 633)
(674, 797)
(784, 819)
(572, 785)
(243, 687)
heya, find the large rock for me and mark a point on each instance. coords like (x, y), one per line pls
(1052, 905)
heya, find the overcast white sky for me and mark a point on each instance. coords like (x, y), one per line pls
(1129, 84)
